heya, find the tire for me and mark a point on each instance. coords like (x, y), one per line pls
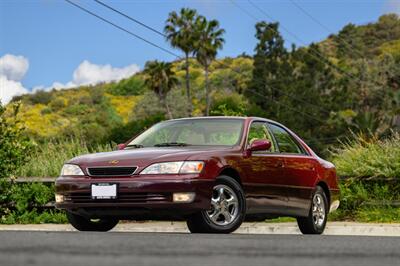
(81, 223)
(226, 214)
(315, 222)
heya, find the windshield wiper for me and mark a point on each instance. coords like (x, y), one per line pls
(171, 144)
(137, 146)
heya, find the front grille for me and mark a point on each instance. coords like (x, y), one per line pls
(79, 197)
(111, 171)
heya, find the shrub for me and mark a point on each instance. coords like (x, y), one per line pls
(130, 86)
(14, 145)
(363, 200)
(40, 97)
(232, 105)
(369, 158)
(25, 201)
(372, 168)
(125, 132)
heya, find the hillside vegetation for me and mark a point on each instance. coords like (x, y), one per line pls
(346, 83)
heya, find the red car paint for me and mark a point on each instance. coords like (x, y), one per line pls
(274, 183)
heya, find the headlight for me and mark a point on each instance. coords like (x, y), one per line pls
(71, 169)
(189, 167)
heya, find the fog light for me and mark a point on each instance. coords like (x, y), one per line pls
(59, 198)
(184, 197)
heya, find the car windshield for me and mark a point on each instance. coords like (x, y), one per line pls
(198, 132)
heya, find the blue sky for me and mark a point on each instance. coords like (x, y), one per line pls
(55, 37)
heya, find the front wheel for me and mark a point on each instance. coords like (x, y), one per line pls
(315, 222)
(228, 207)
(84, 224)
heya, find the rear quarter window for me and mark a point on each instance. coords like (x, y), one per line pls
(286, 142)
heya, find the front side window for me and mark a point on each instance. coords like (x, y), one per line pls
(286, 143)
(198, 132)
(259, 130)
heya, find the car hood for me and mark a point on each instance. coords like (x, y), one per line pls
(143, 156)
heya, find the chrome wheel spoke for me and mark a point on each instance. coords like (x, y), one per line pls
(221, 194)
(214, 216)
(231, 201)
(227, 216)
(214, 203)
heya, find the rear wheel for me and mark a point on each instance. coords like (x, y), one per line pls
(84, 224)
(228, 206)
(315, 222)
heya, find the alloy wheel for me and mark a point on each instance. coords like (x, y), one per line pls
(318, 210)
(224, 205)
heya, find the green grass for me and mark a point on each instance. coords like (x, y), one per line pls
(281, 220)
(379, 214)
(47, 159)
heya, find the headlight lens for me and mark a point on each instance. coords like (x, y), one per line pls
(71, 169)
(193, 167)
(181, 167)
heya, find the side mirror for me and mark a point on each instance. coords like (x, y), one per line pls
(121, 146)
(260, 145)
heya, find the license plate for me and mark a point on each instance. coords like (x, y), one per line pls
(104, 191)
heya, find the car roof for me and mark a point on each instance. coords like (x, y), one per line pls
(224, 117)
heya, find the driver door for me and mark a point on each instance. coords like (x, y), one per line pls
(264, 171)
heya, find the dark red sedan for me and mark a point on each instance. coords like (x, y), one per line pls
(213, 172)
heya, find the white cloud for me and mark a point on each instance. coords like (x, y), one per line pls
(12, 70)
(13, 67)
(391, 6)
(9, 89)
(90, 74)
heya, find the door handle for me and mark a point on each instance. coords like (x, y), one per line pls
(279, 164)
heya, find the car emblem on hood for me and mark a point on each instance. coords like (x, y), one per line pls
(113, 162)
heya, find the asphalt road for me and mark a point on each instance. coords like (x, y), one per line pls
(161, 249)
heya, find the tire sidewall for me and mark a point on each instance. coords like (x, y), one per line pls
(321, 192)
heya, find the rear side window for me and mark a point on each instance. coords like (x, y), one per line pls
(286, 143)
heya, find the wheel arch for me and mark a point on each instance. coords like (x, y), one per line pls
(325, 187)
(231, 172)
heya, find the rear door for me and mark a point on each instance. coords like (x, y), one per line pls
(299, 170)
(264, 171)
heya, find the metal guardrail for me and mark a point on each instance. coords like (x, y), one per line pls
(33, 179)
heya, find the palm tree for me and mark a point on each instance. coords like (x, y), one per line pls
(160, 78)
(209, 41)
(181, 33)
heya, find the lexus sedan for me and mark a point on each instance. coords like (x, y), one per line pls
(212, 172)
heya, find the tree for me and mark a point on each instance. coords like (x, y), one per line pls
(271, 72)
(181, 33)
(311, 93)
(160, 78)
(209, 41)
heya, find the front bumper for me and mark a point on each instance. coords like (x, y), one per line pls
(135, 195)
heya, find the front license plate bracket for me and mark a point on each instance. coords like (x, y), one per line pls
(104, 191)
